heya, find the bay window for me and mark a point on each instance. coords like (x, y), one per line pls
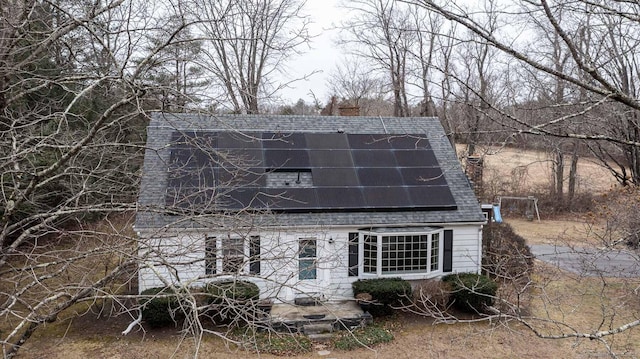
(393, 251)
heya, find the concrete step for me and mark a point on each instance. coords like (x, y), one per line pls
(307, 301)
(320, 337)
(317, 328)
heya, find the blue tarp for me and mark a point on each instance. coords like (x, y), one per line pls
(496, 214)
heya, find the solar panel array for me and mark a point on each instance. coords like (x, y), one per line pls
(312, 172)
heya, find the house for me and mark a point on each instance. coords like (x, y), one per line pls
(303, 205)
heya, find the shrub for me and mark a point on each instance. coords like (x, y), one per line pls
(506, 256)
(431, 294)
(161, 311)
(471, 292)
(232, 302)
(240, 291)
(387, 292)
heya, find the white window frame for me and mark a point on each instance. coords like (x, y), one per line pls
(235, 253)
(302, 258)
(378, 234)
(221, 254)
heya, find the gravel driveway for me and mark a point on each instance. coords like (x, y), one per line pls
(590, 261)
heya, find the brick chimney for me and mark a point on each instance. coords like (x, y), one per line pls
(349, 110)
(474, 171)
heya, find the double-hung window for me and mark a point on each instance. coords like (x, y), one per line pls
(232, 255)
(307, 259)
(394, 251)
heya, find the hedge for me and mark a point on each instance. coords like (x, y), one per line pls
(471, 292)
(386, 292)
(161, 311)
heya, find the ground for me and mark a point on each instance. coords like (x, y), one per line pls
(586, 304)
(90, 336)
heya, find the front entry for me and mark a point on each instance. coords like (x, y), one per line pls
(310, 274)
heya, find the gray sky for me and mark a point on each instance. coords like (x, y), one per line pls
(322, 56)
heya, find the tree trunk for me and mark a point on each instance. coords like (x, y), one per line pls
(558, 172)
(573, 173)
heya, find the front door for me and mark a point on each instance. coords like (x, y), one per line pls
(310, 273)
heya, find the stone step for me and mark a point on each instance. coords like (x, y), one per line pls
(317, 328)
(320, 337)
(307, 301)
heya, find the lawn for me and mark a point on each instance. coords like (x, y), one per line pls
(580, 304)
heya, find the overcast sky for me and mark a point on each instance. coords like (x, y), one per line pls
(322, 56)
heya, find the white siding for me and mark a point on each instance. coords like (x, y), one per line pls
(183, 262)
(467, 249)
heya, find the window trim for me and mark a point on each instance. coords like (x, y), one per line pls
(215, 258)
(378, 234)
(210, 255)
(303, 258)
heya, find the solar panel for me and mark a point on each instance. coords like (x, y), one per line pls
(373, 158)
(363, 141)
(386, 176)
(210, 171)
(335, 177)
(340, 198)
(385, 197)
(331, 158)
(415, 158)
(431, 196)
(409, 142)
(284, 158)
(241, 177)
(283, 140)
(422, 176)
(239, 140)
(239, 198)
(291, 198)
(328, 141)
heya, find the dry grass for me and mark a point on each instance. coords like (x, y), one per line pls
(572, 231)
(519, 171)
(584, 304)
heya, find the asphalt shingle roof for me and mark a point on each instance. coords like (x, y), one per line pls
(152, 208)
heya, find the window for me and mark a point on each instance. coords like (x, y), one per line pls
(307, 259)
(229, 255)
(435, 251)
(404, 253)
(394, 251)
(370, 253)
(210, 245)
(353, 254)
(232, 255)
(254, 255)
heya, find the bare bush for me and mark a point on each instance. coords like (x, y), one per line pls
(431, 294)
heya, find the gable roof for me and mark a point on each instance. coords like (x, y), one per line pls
(309, 170)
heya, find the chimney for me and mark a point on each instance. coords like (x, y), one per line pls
(349, 110)
(474, 173)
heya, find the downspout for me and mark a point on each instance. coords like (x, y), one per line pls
(480, 249)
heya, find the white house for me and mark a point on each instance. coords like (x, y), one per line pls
(303, 205)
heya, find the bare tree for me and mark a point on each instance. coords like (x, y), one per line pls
(580, 89)
(601, 64)
(427, 29)
(179, 79)
(380, 31)
(353, 82)
(73, 84)
(246, 45)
